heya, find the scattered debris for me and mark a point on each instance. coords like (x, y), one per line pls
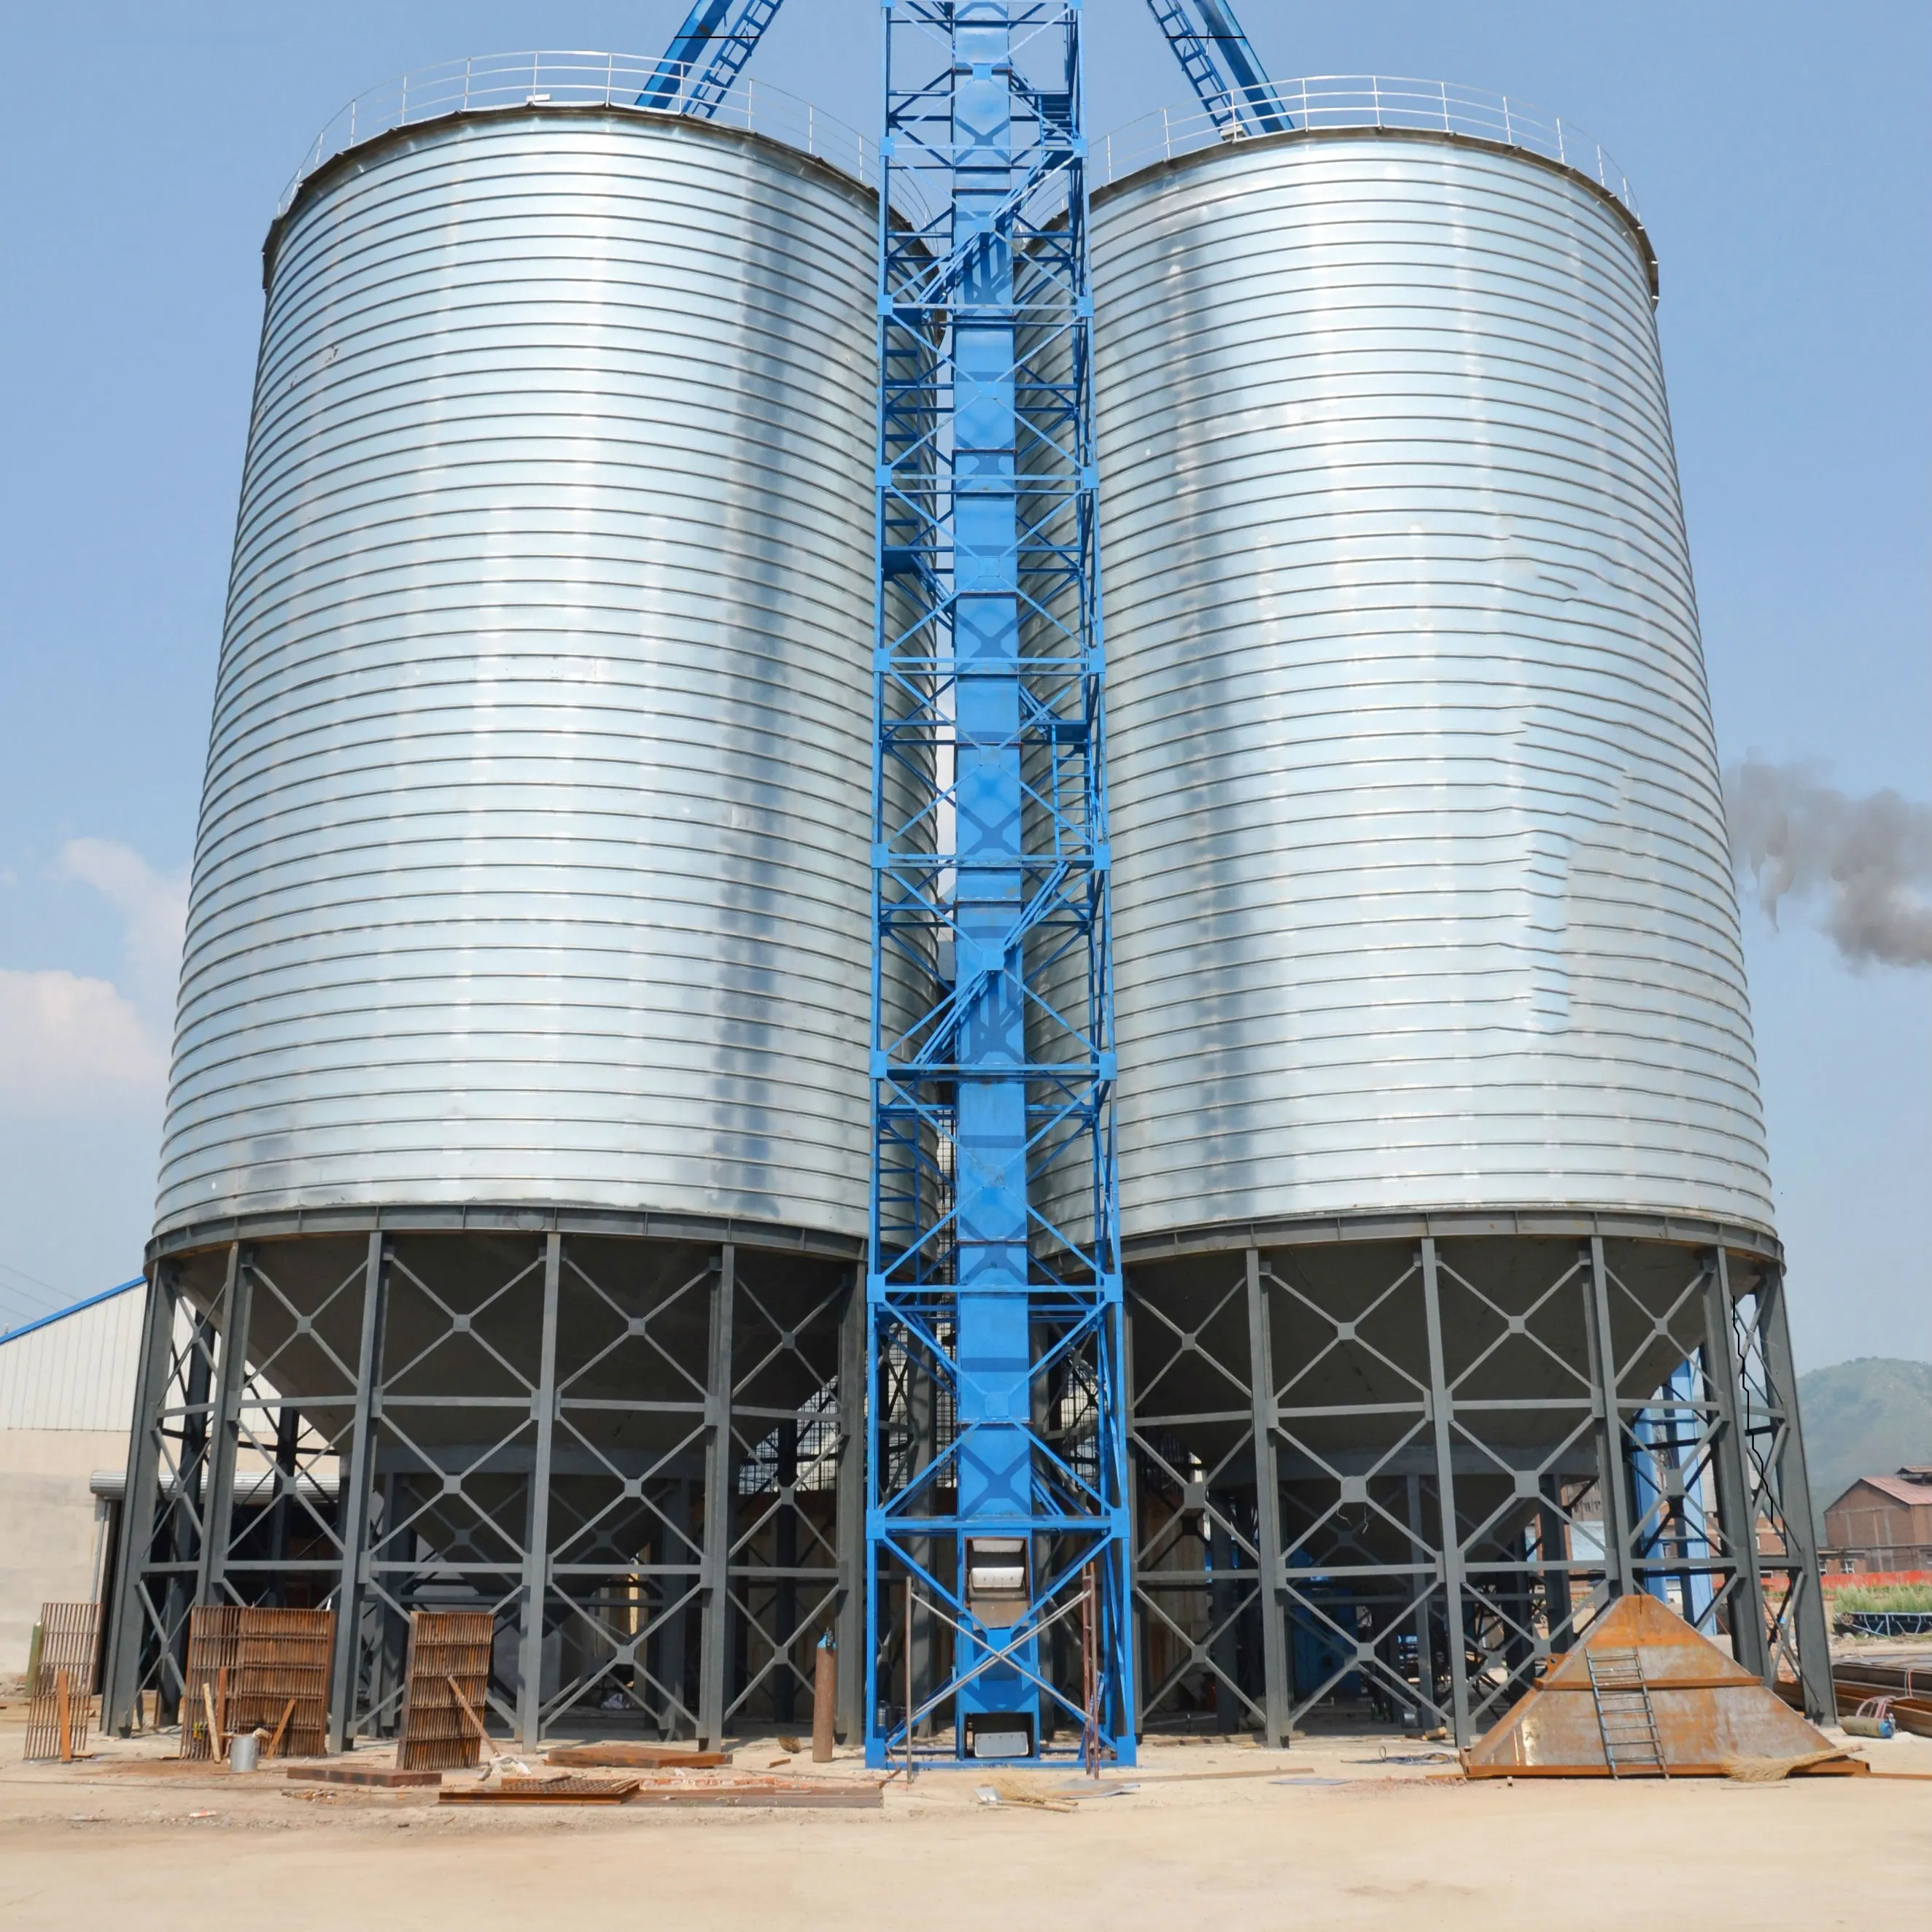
(378, 1777)
(1029, 1797)
(561, 1787)
(623, 1755)
(804, 1794)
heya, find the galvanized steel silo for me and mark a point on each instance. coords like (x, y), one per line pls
(533, 864)
(1423, 895)
(516, 1157)
(1448, 1231)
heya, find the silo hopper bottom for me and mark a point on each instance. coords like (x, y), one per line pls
(1644, 1696)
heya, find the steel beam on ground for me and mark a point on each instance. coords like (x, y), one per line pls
(352, 1504)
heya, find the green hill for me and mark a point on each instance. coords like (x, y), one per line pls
(1863, 1418)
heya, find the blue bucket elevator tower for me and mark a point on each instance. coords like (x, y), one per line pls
(999, 1586)
(998, 1590)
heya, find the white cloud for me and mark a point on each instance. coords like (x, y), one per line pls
(72, 1044)
(155, 905)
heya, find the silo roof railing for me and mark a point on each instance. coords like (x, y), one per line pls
(1325, 102)
(496, 83)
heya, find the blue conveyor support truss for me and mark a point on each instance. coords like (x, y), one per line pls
(1221, 66)
(706, 54)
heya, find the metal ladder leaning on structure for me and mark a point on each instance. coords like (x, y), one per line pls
(1626, 1718)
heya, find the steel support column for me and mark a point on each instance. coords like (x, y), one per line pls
(139, 1504)
(352, 1504)
(1736, 1516)
(1813, 1635)
(536, 1549)
(1441, 1407)
(1611, 1479)
(714, 1613)
(849, 1636)
(1277, 1693)
(218, 1525)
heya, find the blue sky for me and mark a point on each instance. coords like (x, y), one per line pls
(1779, 153)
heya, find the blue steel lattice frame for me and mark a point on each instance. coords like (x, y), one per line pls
(997, 1519)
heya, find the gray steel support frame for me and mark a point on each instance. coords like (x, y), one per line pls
(643, 1455)
(1475, 1415)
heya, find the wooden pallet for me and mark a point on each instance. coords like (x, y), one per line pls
(449, 1653)
(60, 1706)
(262, 1670)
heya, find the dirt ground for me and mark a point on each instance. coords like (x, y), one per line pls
(1337, 1832)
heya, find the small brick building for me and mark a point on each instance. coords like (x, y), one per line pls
(1883, 1522)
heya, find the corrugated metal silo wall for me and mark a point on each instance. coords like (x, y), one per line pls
(533, 864)
(1423, 897)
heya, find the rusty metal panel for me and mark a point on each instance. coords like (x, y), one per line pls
(438, 1734)
(256, 1663)
(60, 1698)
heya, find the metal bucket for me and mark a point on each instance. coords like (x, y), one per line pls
(244, 1752)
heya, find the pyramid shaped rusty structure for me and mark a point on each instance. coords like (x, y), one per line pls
(1713, 1719)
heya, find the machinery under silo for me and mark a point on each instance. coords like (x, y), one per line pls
(514, 1172)
(1444, 1194)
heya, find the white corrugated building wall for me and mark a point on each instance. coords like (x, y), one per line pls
(67, 1390)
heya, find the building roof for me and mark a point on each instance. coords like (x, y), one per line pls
(61, 1314)
(74, 1368)
(1912, 1486)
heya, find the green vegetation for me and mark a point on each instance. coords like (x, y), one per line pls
(1886, 1597)
(1863, 1418)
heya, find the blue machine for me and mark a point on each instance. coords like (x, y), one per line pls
(998, 1572)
